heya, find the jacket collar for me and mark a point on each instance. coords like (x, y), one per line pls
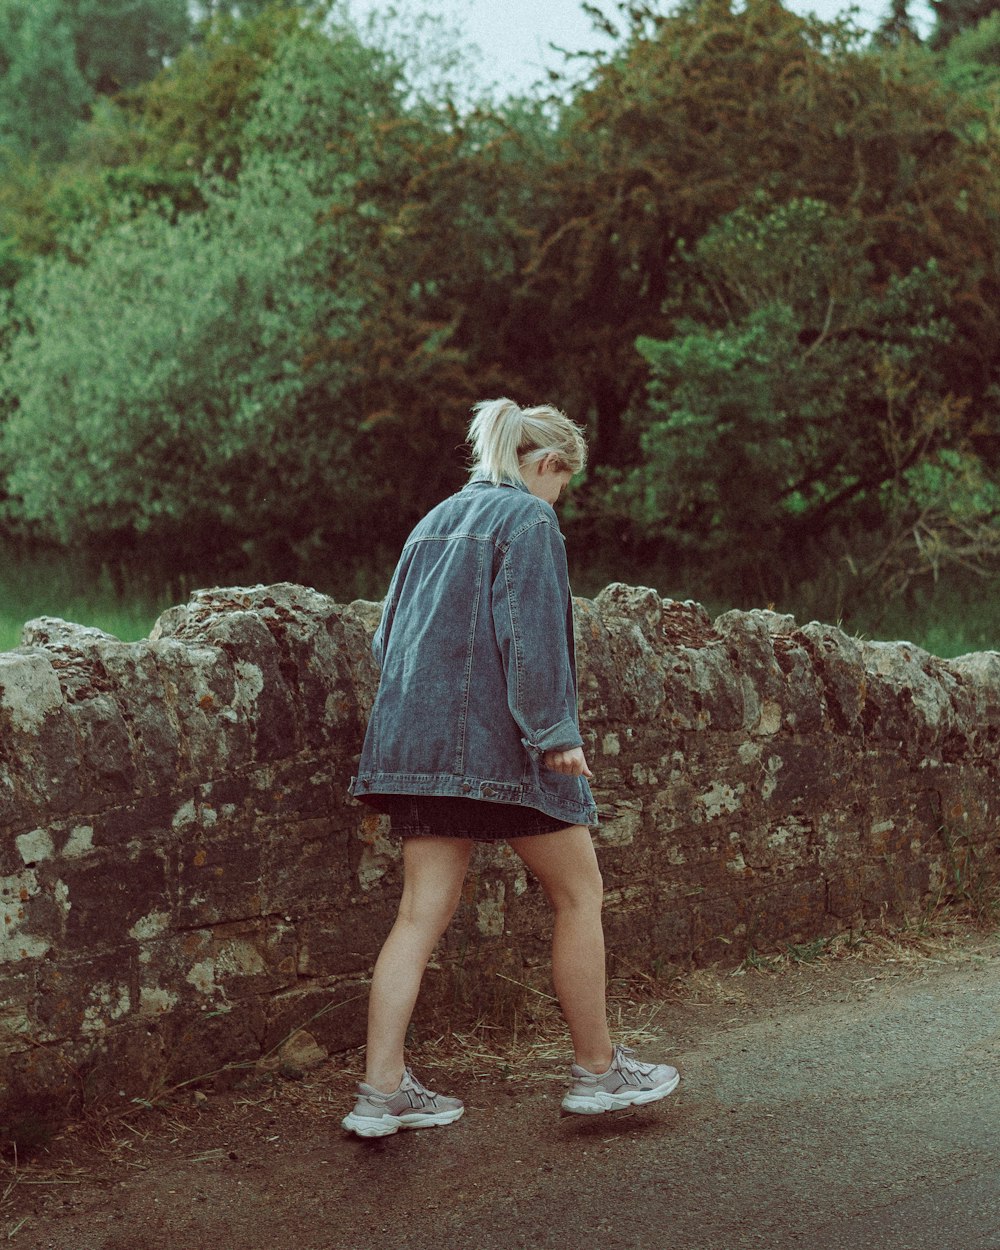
(482, 479)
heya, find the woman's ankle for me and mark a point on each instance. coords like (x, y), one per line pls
(383, 1080)
(596, 1062)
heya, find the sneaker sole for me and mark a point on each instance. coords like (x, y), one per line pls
(601, 1101)
(386, 1125)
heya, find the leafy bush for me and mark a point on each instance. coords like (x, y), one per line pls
(801, 405)
(43, 91)
(163, 383)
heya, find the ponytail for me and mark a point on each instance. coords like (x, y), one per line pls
(495, 435)
(505, 436)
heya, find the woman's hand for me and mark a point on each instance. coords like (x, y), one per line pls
(572, 762)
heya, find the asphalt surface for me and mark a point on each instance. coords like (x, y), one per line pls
(835, 1125)
(834, 1108)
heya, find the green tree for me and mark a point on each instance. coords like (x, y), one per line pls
(971, 60)
(441, 230)
(208, 11)
(151, 389)
(122, 43)
(149, 145)
(954, 16)
(800, 407)
(43, 92)
(698, 111)
(800, 231)
(197, 416)
(189, 119)
(898, 26)
(56, 56)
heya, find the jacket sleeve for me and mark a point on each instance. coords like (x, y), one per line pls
(533, 620)
(382, 633)
(380, 638)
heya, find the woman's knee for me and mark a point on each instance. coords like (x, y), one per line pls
(582, 892)
(431, 913)
(433, 875)
(566, 866)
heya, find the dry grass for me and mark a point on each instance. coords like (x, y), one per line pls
(538, 1053)
(16, 1175)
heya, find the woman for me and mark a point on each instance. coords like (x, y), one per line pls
(474, 737)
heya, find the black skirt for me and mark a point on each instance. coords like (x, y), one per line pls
(444, 816)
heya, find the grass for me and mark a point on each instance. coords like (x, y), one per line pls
(536, 1051)
(970, 883)
(50, 583)
(966, 906)
(45, 584)
(947, 619)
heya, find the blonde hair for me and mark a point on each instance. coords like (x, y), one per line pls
(505, 436)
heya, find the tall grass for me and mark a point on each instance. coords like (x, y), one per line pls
(54, 583)
(949, 619)
(49, 584)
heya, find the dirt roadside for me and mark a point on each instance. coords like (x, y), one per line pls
(845, 1103)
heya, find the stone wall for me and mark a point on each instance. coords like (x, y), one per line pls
(184, 882)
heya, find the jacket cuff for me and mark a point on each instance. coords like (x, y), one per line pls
(562, 737)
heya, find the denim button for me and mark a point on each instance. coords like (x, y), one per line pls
(488, 792)
(466, 787)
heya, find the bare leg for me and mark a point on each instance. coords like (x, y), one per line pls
(433, 872)
(566, 865)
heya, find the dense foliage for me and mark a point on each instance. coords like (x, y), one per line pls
(258, 268)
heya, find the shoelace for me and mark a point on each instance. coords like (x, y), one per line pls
(416, 1088)
(627, 1062)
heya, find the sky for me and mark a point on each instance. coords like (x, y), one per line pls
(514, 36)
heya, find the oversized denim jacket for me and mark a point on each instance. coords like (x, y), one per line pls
(478, 662)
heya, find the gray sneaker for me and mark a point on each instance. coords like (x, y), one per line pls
(627, 1083)
(410, 1106)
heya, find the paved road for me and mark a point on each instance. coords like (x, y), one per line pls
(827, 1108)
(836, 1125)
